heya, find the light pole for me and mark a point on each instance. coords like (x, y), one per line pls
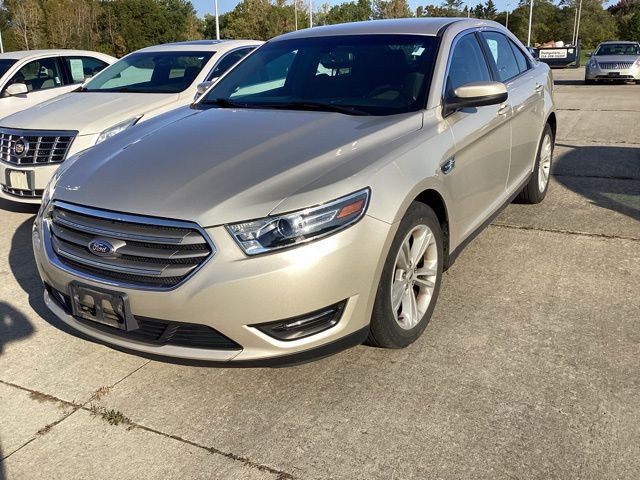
(530, 18)
(295, 13)
(215, 7)
(310, 13)
(507, 22)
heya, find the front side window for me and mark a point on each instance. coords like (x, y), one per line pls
(229, 61)
(5, 65)
(618, 49)
(467, 64)
(82, 68)
(151, 72)
(357, 74)
(502, 55)
(39, 75)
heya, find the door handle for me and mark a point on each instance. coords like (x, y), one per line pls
(503, 110)
(539, 88)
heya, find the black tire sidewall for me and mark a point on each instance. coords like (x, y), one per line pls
(385, 331)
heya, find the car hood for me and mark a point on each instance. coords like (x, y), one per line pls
(219, 166)
(616, 58)
(88, 112)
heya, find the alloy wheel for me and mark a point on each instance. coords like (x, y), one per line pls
(544, 168)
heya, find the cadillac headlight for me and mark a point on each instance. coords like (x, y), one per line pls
(592, 63)
(287, 230)
(116, 129)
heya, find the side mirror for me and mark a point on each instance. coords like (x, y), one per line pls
(475, 94)
(203, 87)
(16, 89)
(588, 54)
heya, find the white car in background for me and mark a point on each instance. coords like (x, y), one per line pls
(139, 86)
(31, 77)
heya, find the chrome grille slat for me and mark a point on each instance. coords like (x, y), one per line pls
(615, 65)
(44, 146)
(148, 253)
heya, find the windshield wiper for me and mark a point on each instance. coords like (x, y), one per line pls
(316, 107)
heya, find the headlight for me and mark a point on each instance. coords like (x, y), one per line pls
(592, 63)
(281, 231)
(47, 194)
(637, 63)
(116, 129)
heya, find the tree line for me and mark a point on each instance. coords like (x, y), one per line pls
(118, 27)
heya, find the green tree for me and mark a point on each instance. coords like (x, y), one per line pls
(349, 12)
(391, 9)
(490, 11)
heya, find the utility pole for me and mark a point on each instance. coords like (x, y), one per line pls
(530, 18)
(215, 6)
(575, 23)
(295, 13)
(578, 24)
(507, 22)
(1, 45)
(310, 13)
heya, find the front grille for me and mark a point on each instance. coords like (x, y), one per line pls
(146, 252)
(34, 147)
(157, 332)
(615, 65)
(16, 192)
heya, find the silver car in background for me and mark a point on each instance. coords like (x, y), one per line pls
(614, 61)
(309, 201)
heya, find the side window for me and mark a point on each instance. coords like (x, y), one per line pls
(39, 74)
(521, 59)
(229, 61)
(502, 55)
(467, 64)
(82, 68)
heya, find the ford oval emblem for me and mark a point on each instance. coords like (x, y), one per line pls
(101, 248)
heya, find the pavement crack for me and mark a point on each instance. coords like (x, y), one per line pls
(594, 110)
(594, 142)
(565, 232)
(108, 415)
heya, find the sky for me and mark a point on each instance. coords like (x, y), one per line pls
(206, 6)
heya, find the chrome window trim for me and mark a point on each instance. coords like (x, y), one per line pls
(123, 217)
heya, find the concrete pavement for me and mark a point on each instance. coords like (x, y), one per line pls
(530, 367)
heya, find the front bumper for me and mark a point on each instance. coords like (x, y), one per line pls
(600, 74)
(232, 293)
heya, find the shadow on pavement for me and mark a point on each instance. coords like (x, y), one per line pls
(608, 176)
(23, 266)
(13, 325)
(2, 472)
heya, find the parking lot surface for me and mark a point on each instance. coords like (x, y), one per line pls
(530, 367)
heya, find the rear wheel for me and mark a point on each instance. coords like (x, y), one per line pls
(536, 189)
(410, 280)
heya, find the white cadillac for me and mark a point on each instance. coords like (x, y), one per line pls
(31, 77)
(140, 86)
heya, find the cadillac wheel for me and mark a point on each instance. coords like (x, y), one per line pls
(410, 280)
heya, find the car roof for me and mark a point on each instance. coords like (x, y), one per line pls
(415, 26)
(200, 45)
(617, 42)
(22, 54)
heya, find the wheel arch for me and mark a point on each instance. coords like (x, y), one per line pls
(553, 123)
(433, 199)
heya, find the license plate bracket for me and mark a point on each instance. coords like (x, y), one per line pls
(102, 306)
(19, 179)
(614, 74)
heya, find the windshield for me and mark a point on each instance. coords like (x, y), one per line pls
(150, 72)
(618, 49)
(351, 74)
(5, 65)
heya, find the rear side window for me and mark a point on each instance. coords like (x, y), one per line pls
(82, 68)
(467, 64)
(521, 59)
(502, 55)
(40, 74)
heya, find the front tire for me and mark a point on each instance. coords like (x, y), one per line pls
(410, 280)
(536, 189)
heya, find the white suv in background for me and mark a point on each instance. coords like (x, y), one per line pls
(31, 77)
(137, 87)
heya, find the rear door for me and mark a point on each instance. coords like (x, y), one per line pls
(478, 173)
(526, 94)
(44, 79)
